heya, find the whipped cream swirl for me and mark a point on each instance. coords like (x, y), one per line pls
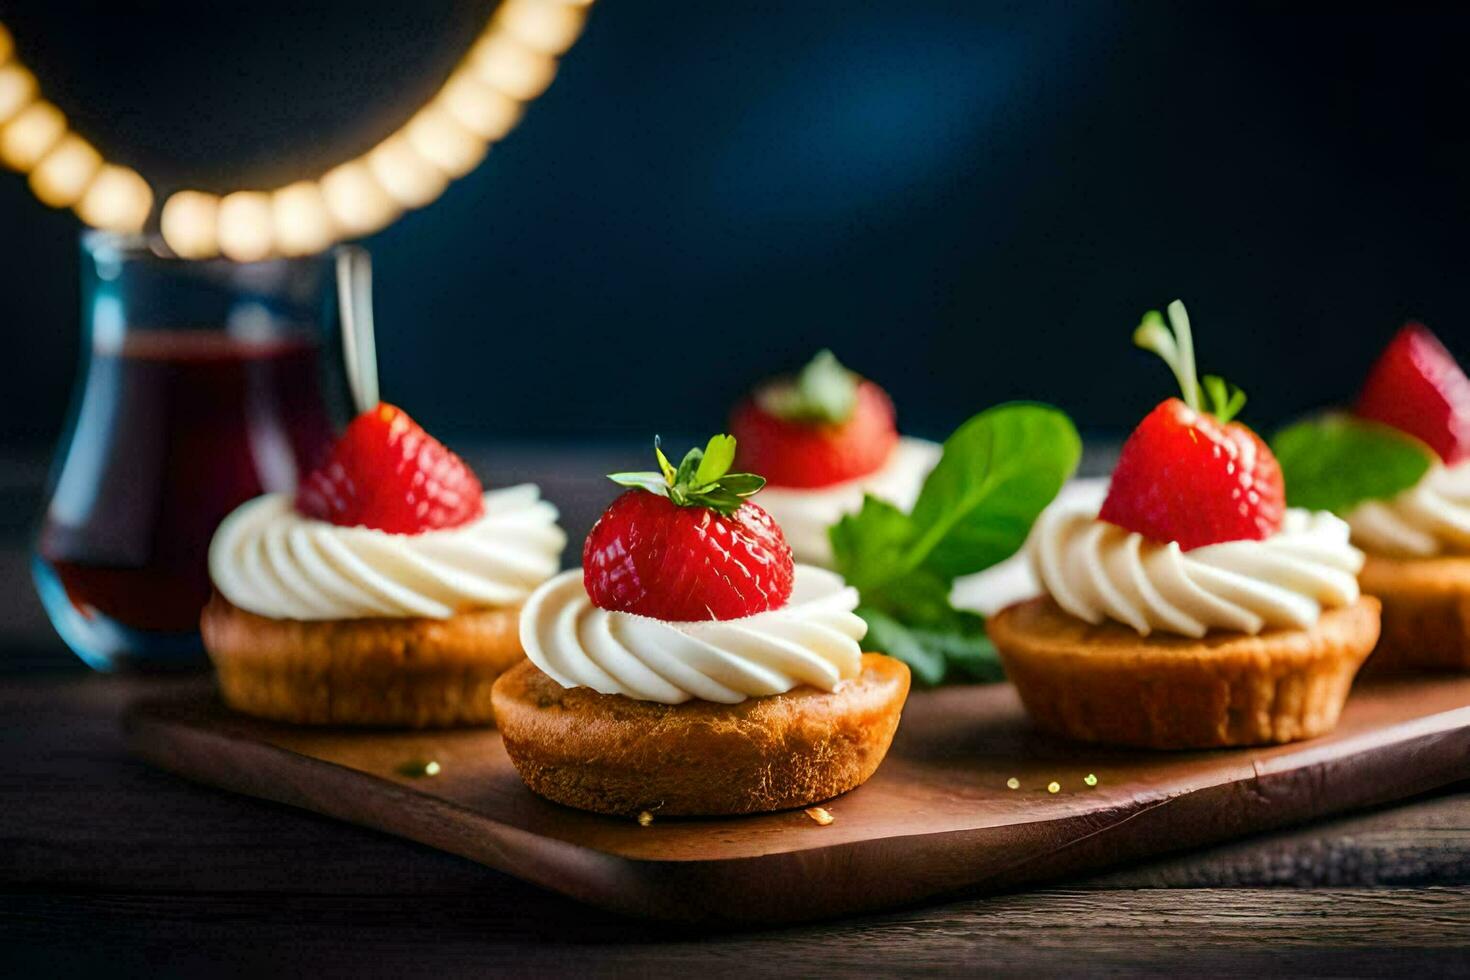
(1430, 518)
(813, 639)
(268, 559)
(1096, 570)
(805, 514)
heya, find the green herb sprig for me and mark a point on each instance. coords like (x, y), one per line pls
(996, 474)
(1337, 461)
(822, 393)
(702, 478)
(1175, 345)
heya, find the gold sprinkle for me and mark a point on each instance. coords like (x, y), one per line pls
(820, 815)
(1090, 779)
(1053, 787)
(645, 819)
(418, 768)
(1013, 783)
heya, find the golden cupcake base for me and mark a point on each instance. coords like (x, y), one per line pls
(612, 754)
(400, 673)
(1426, 612)
(1106, 684)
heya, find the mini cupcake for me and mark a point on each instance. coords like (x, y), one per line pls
(1405, 492)
(823, 439)
(387, 592)
(691, 667)
(1192, 610)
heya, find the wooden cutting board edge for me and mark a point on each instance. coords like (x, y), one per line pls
(840, 879)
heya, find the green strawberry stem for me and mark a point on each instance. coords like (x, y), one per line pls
(823, 393)
(1175, 346)
(702, 478)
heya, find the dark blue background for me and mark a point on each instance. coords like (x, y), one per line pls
(968, 201)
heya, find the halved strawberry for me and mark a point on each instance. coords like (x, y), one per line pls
(1417, 387)
(1188, 475)
(685, 545)
(387, 473)
(822, 427)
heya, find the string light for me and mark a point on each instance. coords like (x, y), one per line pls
(63, 175)
(512, 62)
(190, 224)
(246, 226)
(17, 90)
(117, 199)
(27, 137)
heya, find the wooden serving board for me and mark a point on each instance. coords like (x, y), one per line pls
(937, 818)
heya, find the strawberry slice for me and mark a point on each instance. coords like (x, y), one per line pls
(686, 545)
(1188, 475)
(1417, 387)
(822, 427)
(387, 473)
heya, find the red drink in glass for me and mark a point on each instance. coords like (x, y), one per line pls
(173, 429)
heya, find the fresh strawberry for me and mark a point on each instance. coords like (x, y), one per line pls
(824, 426)
(387, 473)
(1416, 387)
(686, 545)
(1188, 475)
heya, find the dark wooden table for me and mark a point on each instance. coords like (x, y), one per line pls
(109, 866)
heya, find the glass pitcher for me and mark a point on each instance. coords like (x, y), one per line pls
(202, 384)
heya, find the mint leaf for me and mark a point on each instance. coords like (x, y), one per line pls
(888, 635)
(1335, 462)
(824, 392)
(998, 471)
(935, 654)
(868, 544)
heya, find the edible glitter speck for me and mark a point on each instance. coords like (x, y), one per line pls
(1013, 783)
(418, 768)
(645, 818)
(1090, 779)
(1053, 787)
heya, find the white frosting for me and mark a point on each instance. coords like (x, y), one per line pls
(1096, 570)
(268, 559)
(806, 514)
(813, 639)
(1430, 518)
(1013, 580)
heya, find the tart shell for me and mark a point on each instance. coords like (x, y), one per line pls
(1426, 611)
(616, 755)
(403, 673)
(1107, 684)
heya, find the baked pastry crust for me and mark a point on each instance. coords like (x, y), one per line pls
(612, 754)
(1426, 611)
(408, 673)
(1107, 684)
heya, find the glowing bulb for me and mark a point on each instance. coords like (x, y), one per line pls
(246, 230)
(441, 139)
(31, 135)
(7, 45)
(408, 178)
(303, 226)
(546, 27)
(356, 201)
(510, 66)
(118, 199)
(487, 112)
(62, 176)
(17, 89)
(190, 224)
